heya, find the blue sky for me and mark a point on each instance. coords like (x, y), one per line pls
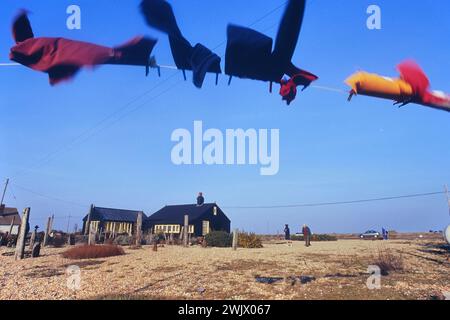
(330, 150)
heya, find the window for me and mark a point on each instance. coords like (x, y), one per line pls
(94, 226)
(168, 228)
(205, 228)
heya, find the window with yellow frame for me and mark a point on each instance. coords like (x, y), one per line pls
(171, 228)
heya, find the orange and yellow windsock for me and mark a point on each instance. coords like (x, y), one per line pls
(413, 86)
(374, 85)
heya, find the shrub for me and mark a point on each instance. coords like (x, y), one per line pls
(219, 239)
(58, 240)
(93, 252)
(388, 261)
(249, 240)
(323, 237)
(123, 240)
(315, 237)
(109, 241)
(80, 239)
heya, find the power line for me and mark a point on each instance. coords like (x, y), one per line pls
(49, 197)
(50, 156)
(322, 204)
(286, 206)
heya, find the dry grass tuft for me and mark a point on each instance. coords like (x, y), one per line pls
(388, 261)
(249, 240)
(93, 252)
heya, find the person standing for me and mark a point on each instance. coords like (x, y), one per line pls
(307, 235)
(287, 233)
(200, 199)
(385, 234)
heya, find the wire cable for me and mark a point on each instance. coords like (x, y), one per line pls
(50, 197)
(322, 204)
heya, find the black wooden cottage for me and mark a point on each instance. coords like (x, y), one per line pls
(115, 221)
(203, 218)
(10, 220)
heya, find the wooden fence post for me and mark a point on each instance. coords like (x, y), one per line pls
(20, 246)
(139, 229)
(186, 230)
(235, 239)
(47, 231)
(12, 225)
(91, 237)
(32, 239)
(87, 225)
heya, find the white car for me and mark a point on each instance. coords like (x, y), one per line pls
(371, 234)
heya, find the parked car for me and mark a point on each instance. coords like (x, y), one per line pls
(371, 234)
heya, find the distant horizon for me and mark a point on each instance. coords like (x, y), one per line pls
(59, 222)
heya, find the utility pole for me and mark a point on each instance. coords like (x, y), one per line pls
(51, 224)
(68, 223)
(4, 192)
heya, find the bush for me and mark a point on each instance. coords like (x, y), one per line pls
(219, 239)
(123, 240)
(315, 237)
(93, 252)
(80, 239)
(387, 261)
(249, 240)
(58, 240)
(323, 237)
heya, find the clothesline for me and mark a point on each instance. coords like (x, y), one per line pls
(169, 67)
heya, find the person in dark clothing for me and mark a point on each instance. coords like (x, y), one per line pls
(385, 234)
(287, 233)
(200, 199)
(307, 235)
(4, 239)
